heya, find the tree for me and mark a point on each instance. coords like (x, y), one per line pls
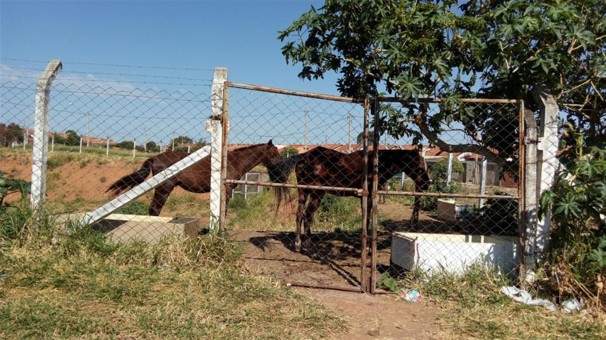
(360, 137)
(10, 133)
(453, 49)
(486, 49)
(128, 145)
(59, 139)
(288, 151)
(72, 137)
(152, 146)
(183, 140)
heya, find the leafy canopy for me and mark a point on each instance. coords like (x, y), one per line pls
(410, 48)
(452, 49)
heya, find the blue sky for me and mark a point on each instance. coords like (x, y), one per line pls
(160, 38)
(167, 44)
(240, 35)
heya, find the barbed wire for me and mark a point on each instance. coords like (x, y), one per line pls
(112, 65)
(190, 81)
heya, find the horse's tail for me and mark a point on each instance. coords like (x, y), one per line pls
(129, 181)
(279, 172)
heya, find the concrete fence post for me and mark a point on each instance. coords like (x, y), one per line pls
(530, 211)
(40, 147)
(548, 164)
(214, 126)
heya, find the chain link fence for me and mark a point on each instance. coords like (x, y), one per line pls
(316, 236)
(341, 198)
(103, 124)
(470, 212)
(297, 123)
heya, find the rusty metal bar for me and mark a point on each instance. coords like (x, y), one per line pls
(522, 192)
(374, 203)
(364, 206)
(318, 286)
(361, 194)
(286, 185)
(442, 194)
(224, 131)
(290, 92)
(439, 100)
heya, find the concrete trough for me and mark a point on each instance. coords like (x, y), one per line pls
(453, 253)
(150, 229)
(449, 211)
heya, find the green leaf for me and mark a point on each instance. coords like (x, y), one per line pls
(568, 206)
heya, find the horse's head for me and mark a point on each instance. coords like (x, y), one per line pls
(419, 175)
(413, 164)
(271, 154)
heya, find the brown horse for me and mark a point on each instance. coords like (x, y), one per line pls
(196, 178)
(326, 167)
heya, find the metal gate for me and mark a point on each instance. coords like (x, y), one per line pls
(355, 241)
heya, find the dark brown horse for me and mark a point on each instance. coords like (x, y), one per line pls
(196, 178)
(326, 167)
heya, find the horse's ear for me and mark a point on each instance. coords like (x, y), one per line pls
(270, 143)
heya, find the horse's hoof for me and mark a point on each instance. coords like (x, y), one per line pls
(307, 244)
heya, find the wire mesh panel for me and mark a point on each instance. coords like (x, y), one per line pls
(468, 215)
(107, 133)
(316, 170)
(17, 102)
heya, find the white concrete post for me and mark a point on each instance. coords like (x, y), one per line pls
(214, 127)
(548, 164)
(40, 147)
(483, 181)
(449, 170)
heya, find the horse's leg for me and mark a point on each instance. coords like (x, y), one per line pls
(300, 214)
(415, 211)
(160, 196)
(228, 191)
(314, 203)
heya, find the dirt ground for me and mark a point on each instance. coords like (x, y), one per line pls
(335, 261)
(381, 316)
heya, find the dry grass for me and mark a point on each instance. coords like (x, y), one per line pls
(472, 307)
(58, 286)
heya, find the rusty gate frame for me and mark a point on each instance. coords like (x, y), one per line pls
(368, 280)
(360, 192)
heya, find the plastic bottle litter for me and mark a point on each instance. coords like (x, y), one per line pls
(411, 295)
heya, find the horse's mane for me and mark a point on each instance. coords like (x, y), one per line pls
(247, 147)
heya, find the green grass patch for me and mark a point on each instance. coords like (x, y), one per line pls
(342, 213)
(258, 212)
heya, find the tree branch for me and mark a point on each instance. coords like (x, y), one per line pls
(474, 148)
